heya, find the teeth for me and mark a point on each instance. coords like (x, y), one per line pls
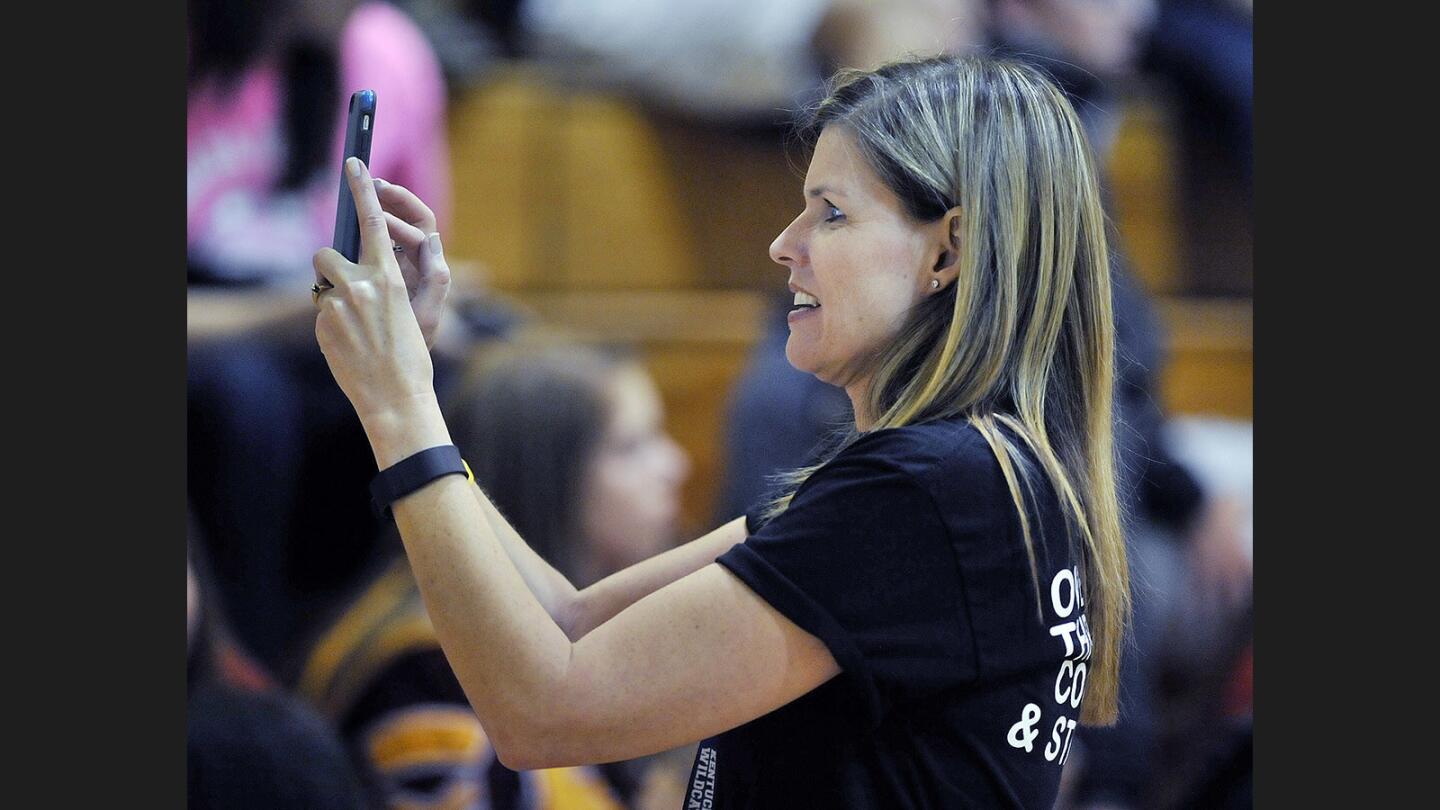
(806, 300)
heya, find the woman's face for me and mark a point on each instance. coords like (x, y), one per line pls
(632, 490)
(855, 250)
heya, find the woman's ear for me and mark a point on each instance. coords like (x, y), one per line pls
(947, 260)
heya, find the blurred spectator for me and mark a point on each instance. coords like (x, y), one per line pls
(249, 744)
(263, 749)
(740, 60)
(211, 650)
(268, 85)
(1202, 49)
(568, 443)
(1088, 46)
(1204, 744)
(1206, 48)
(467, 44)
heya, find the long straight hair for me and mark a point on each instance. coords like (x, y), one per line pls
(1022, 344)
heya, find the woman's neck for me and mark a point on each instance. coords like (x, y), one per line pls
(859, 393)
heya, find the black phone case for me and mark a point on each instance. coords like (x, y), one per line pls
(359, 128)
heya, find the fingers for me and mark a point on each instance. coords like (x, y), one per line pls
(410, 242)
(374, 232)
(432, 288)
(331, 269)
(403, 203)
(336, 324)
(406, 235)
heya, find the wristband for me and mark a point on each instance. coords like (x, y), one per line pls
(414, 472)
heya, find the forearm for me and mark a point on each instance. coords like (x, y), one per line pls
(600, 602)
(506, 650)
(555, 593)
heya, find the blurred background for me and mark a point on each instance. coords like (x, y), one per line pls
(608, 175)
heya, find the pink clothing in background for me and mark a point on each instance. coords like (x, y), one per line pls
(237, 225)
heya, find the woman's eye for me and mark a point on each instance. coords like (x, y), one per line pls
(832, 213)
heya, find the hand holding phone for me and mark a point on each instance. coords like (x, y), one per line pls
(413, 226)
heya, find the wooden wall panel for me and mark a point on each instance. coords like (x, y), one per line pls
(1141, 180)
(1210, 368)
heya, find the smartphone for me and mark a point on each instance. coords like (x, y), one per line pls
(359, 129)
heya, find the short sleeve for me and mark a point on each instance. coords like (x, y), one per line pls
(755, 517)
(862, 560)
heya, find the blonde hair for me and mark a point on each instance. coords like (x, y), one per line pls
(1024, 339)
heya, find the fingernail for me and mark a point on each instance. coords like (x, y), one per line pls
(380, 183)
(352, 165)
(433, 242)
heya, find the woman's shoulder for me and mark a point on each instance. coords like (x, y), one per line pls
(949, 459)
(943, 448)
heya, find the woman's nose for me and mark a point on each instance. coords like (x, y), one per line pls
(784, 249)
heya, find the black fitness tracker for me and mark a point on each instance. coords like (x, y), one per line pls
(414, 472)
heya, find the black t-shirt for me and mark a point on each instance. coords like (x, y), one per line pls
(904, 555)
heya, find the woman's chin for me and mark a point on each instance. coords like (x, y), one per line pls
(799, 356)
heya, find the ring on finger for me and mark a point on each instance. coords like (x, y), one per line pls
(317, 288)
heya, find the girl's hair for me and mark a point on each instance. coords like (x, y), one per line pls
(1021, 345)
(529, 416)
(229, 37)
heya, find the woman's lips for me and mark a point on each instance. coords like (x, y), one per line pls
(800, 313)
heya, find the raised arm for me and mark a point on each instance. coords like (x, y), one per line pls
(412, 225)
(698, 656)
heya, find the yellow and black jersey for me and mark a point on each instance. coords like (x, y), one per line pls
(380, 675)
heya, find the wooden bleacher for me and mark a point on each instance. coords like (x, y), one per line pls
(622, 224)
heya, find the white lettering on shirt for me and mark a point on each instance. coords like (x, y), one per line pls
(702, 787)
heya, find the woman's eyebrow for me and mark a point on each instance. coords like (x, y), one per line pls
(822, 190)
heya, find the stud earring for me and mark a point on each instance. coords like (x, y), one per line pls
(934, 283)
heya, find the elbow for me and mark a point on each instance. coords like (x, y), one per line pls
(572, 619)
(524, 750)
(532, 737)
(534, 730)
(514, 748)
(514, 758)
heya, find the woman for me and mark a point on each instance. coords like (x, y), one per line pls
(916, 622)
(569, 443)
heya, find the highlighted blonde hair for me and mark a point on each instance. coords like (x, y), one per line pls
(1022, 344)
